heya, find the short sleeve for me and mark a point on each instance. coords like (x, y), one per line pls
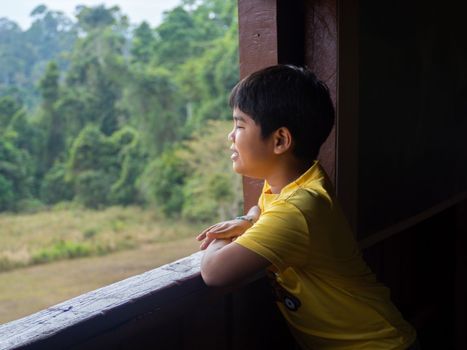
(280, 235)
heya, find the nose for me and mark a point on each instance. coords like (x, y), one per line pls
(230, 136)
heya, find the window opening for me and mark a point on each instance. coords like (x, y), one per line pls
(113, 144)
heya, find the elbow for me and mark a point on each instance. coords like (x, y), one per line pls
(211, 278)
(208, 279)
(212, 274)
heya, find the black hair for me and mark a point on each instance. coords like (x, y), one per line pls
(287, 96)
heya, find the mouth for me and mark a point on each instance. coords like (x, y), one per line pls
(234, 155)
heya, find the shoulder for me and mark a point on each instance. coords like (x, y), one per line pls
(306, 199)
(283, 207)
(280, 235)
(280, 217)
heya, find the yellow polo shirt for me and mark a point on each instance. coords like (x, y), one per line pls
(323, 287)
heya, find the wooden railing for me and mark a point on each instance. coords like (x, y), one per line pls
(119, 305)
(169, 307)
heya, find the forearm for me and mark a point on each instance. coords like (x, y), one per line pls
(210, 253)
(226, 263)
(254, 213)
(208, 264)
(229, 229)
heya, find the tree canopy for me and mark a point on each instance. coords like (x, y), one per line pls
(100, 112)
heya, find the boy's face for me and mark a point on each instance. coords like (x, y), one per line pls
(252, 156)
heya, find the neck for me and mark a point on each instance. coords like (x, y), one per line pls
(287, 173)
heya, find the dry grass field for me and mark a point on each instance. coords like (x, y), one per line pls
(28, 290)
(52, 256)
(29, 239)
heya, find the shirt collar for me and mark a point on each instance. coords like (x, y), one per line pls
(312, 178)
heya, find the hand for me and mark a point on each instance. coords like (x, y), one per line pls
(223, 230)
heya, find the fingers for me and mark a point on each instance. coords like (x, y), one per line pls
(222, 230)
(220, 227)
(207, 241)
(222, 234)
(202, 235)
(224, 227)
(229, 230)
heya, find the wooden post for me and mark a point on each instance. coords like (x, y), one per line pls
(257, 28)
(294, 32)
(460, 286)
(347, 110)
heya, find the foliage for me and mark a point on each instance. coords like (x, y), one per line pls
(24, 54)
(27, 135)
(7, 195)
(208, 79)
(143, 44)
(212, 191)
(96, 113)
(61, 250)
(195, 179)
(91, 18)
(153, 100)
(54, 187)
(15, 175)
(104, 169)
(8, 107)
(163, 180)
(30, 205)
(91, 168)
(94, 77)
(132, 159)
(51, 122)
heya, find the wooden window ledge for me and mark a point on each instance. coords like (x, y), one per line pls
(155, 294)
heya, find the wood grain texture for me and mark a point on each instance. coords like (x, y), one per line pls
(257, 25)
(320, 43)
(86, 316)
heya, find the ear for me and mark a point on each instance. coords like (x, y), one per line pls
(282, 140)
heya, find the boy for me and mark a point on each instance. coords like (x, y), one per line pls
(328, 295)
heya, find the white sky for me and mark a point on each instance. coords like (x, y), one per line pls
(137, 10)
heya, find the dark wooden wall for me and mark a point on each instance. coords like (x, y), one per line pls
(397, 72)
(412, 109)
(412, 160)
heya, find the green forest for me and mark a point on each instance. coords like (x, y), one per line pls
(96, 112)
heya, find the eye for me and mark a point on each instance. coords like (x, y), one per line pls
(239, 127)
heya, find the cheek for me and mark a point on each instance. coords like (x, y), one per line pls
(238, 138)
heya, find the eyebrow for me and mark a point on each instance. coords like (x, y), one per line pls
(239, 119)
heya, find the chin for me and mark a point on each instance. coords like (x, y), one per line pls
(237, 169)
(242, 172)
(245, 172)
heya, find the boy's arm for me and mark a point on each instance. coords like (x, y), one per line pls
(254, 213)
(225, 263)
(229, 229)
